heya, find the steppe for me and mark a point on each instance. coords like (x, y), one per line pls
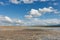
(28, 33)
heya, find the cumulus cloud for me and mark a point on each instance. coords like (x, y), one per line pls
(19, 1)
(25, 1)
(41, 11)
(31, 1)
(28, 1)
(44, 10)
(35, 12)
(5, 20)
(32, 13)
(28, 16)
(14, 1)
(8, 19)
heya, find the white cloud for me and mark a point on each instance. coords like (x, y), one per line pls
(41, 11)
(34, 12)
(14, 1)
(52, 21)
(42, 22)
(28, 1)
(24, 1)
(44, 10)
(5, 20)
(28, 16)
(8, 19)
(31, 1)
(17, 21)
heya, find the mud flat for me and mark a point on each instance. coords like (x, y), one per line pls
(28, 34)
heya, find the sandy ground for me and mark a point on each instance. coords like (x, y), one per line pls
(28, 33)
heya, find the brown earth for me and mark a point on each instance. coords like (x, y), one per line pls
(23, 33)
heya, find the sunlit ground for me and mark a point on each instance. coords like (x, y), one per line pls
(29, 33)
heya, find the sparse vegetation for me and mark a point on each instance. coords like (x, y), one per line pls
(28, 34)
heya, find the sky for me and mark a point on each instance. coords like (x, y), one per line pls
(29, 12)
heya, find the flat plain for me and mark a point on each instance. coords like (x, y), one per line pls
(28, 33)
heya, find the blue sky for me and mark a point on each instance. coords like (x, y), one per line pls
(33, 12)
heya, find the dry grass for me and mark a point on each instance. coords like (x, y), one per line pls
(23, 33)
